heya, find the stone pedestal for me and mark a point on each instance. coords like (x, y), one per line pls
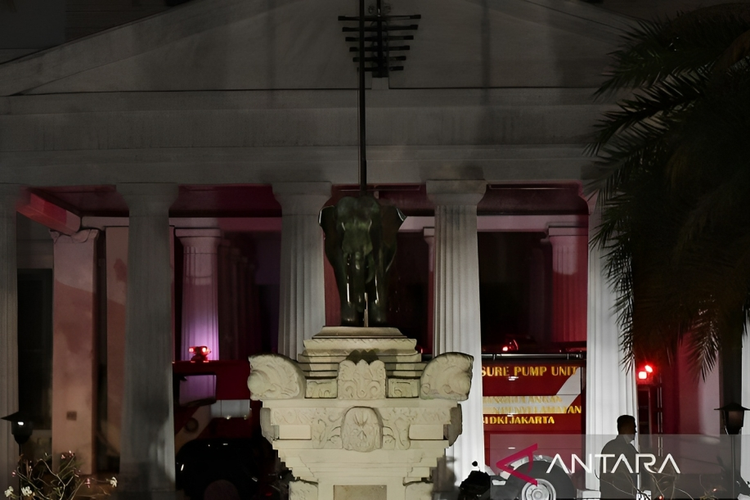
(200, 290)
(360, 415)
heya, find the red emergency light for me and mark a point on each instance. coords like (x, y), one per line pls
(645, 373)
(200, 354)
(510, 346)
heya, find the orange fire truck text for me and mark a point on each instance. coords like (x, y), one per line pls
(528, 371)
(519, 419)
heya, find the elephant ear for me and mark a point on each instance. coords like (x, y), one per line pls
(328, 220)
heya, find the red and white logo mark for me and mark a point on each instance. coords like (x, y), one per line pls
(505, 463)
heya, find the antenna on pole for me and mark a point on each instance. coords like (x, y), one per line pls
(361, 108)
(379, 35)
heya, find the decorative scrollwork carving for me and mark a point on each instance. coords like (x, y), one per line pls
(362, 380)
(273, 376)
(326, 428)
(361, 430)
(403, 388)
(322, 389)
(447, 376)
(396, 430)
(325, 423)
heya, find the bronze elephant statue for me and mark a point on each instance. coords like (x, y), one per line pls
(360, 243)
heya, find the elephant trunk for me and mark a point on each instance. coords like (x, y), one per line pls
(358, 273)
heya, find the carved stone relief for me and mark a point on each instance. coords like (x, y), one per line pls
(325, 423)
(273, 376)
(396, 430)
(416, 415)
(326, 428)
(362, 380)
(447, 376)
(396, 423)
(322, 389)
(403, 388)
(361, 430)
(391, 414)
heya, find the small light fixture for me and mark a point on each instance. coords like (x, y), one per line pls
(734, 417)
(200, 354)
(21, 426)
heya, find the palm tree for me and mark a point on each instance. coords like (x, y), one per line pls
(673, 177)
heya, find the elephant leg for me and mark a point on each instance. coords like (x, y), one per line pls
(351, 291)
(349, 314)
(377, 300)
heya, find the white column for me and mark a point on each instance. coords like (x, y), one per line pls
(147, 458)
(200, 290)
(302, 300)
(569, 274)
(74, 353)
(9, 196)
(610, 386)
(457, 322)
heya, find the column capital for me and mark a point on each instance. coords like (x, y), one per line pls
(456, 192)
(200, 240)
(148, 197)
(301, 198)
(553, 231)
(212, 232)
(82, 236)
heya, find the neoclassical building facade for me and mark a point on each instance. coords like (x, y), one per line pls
(180, 163)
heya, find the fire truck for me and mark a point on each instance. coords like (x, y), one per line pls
(220, 452)
(529, 401)
(533, 412)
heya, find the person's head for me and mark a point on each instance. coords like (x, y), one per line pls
(626, 425)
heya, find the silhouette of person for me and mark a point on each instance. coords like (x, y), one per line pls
(617, 467)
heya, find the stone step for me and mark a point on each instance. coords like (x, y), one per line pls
(308, 357)
(314, 366)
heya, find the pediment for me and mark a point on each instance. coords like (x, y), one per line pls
(298, 44)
